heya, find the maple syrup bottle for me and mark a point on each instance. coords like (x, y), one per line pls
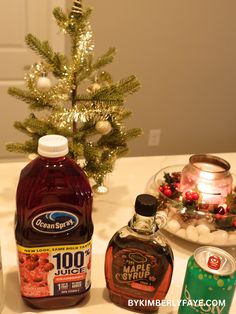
(139, 261)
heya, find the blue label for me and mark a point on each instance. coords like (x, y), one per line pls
(55, 222)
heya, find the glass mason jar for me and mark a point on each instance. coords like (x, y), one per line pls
(210, 176)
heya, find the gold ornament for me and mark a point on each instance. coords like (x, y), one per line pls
(103, 127)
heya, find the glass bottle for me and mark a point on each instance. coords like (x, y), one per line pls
(53, 228)
(139, 261)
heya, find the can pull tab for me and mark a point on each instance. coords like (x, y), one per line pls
(214, 262)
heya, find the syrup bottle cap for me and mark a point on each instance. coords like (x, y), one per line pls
(53, 146)
(146, 205)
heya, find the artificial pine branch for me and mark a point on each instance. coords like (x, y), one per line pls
(122, 151)
(124, 115)
(28, 147)
(128, 86)
(41, 47)
(105, 59)
(39, 127)
(102, 61)
(132, 133)
(56, 60)
(22, 128)
(113, 140)
(60, 17)
(26, 96)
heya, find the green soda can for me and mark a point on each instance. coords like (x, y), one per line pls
(209, 282)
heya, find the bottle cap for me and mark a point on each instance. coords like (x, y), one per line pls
(53, 146)
(146, 205)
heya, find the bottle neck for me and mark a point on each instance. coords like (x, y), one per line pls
(52, 160)
(143, 224)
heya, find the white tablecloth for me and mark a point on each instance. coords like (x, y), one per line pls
(111, 211)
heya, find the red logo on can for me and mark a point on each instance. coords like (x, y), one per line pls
(214, 262)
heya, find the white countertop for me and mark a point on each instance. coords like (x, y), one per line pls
(111, 212)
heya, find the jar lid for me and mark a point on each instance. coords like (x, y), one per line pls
(53, 146)
(146, 205)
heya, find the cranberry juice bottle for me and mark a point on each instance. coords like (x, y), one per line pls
(53, 228)
(139, 261)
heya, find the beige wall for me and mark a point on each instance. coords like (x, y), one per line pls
(184, 53)
(29, 17)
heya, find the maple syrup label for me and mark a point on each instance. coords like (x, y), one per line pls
(135, 269)
(54, 270)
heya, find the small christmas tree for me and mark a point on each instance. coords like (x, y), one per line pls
(73, 96)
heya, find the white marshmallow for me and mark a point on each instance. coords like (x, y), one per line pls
(202, 229)
(206, 238)
(220, 237)
(173, 225)
(181, 233)
(192, 234)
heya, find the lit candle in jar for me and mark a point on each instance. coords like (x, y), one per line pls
(210, 176)
(207, 185)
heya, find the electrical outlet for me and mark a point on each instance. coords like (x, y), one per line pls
(154, 137)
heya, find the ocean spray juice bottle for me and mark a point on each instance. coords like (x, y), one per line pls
(139, 260)
(53, 228)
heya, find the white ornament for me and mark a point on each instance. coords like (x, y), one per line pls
(44, 83)
(103, 127)
(93, 88)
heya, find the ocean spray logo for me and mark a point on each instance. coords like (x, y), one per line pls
(55, 222)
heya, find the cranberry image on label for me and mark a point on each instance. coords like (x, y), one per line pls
(34, 274)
